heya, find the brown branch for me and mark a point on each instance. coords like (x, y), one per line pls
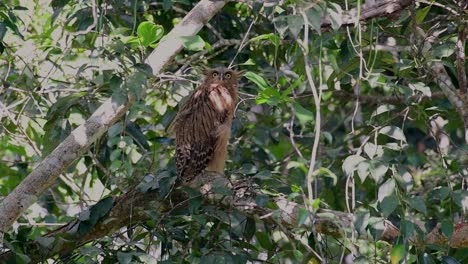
(379, 8)
(457, 98)
(460, 51)
(46, 173)
(376, 99)
(131, 209)
(369, 10)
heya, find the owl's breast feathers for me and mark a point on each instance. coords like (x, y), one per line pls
(202, 130)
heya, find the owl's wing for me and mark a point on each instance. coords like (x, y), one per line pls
(195, 128)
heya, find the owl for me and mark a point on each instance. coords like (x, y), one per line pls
(203, 124)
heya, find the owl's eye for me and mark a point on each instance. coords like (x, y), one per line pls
(215, 74)
(228, 75)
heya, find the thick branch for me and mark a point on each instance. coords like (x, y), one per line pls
(460, 51)
(369, 10)
(131, 208)
(394, 100)
(45, 174)
(456, 97)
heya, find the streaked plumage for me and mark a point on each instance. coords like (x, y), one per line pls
(202, 126)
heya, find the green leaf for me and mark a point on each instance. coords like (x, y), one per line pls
(249, 229)
(314, 17)
(296, 164)
(440, 193)
(167, 5)
(134, 130)
(447, 228)
(407, 228)
(383, 109)
(115, 129)
(62, 106)
(115, 154)
(303, 115)
(217, 257)
(95, 213)
(275, 39)
(418, 204)
(328, 173)
(20, 8)
(263, 175)
(149, 33)
(421, 14)
(287, 91)
(389, 204)
(386, 189)
(45, 242)
(124, 257)
(270, 96)
(443, 51)
(376, 227)
(194, 204)
(2, 31)
(264, 240)
(393, 132)
(248, 62)
(377, 170)
(56, 131)
(298, 255)
(303, 214)
(336, 15)
(193, 43)
(295, 24)
(397, 254)
(421, 87)
(136, 84)
(450, 260)
(59, 3)
(425, 259)
(351, 163)
(361, 220)
(247, 168)
(257, 79)
(363, 170)
(372, 150)
(10, 20)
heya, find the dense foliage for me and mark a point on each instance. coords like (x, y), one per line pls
(387, 144)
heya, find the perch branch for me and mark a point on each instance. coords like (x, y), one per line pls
(393, 99)
(131, 209)
(369, 10)
(460, 51)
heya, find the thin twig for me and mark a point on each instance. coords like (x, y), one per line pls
(460, 51)
(93, 25)
(308, 69)
(242, 45)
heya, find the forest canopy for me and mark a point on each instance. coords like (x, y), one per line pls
(348, 145)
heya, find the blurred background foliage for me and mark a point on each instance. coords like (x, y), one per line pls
(403, 153)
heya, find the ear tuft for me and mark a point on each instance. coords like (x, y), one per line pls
(206, 70)
(240, 73)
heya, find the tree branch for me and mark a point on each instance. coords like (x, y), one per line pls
(46, 173)
(369, 10)
(460, 51)
(456, 97)
(131, 209)
(394, 100)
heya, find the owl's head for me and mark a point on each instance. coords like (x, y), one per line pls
(222, 75)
